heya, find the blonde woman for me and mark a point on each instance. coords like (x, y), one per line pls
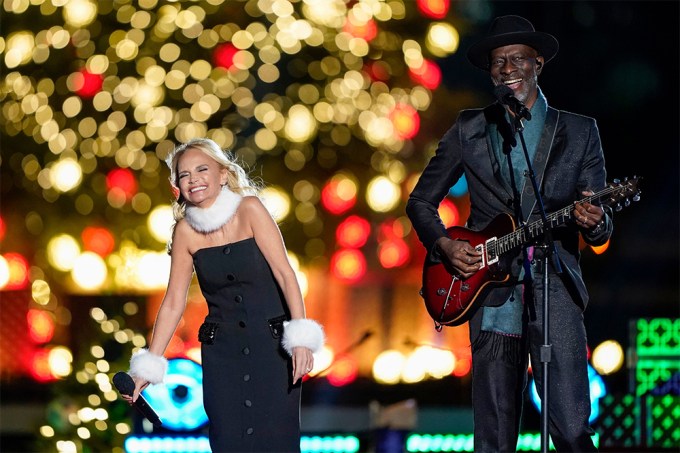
(256, 343)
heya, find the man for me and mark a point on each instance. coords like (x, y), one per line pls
(506, 327)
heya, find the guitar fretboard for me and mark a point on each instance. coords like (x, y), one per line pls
(529, 232)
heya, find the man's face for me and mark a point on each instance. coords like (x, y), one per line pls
(517, 66)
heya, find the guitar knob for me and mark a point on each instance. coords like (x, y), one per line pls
(441, 292)
(464, 287)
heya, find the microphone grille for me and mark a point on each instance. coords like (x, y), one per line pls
(124, 383)
(501, 91)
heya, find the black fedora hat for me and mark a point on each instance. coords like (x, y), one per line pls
(507, 30)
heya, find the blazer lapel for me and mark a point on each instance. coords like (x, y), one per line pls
(540, 160)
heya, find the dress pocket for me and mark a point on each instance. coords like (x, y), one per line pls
(276, 326)
(207, 331)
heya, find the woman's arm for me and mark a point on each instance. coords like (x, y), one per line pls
(171, 309)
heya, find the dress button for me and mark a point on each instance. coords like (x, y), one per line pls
(249, 431)
(226, 250)
(241, 323)
(231, 277)
(248, 403)
(246, 351)
(246, 377)
(238, 299)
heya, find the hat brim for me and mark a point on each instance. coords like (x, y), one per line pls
(545, 44)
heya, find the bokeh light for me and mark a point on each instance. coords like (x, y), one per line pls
(353, 232)
(608, 357)
(89, 271)
(348, 265)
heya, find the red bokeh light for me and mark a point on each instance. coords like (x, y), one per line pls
(462, 367)
(335, 199)
(87, 84)
(378, 71)
(40, 366)
(368, 30)
(348, 264)
(448, 211)
(428, 74)
(393, 253)
(98, 240)
(18, 271)
(344, 371)
(124, 180)
(3, 228)
(40, 325)
(223, 55)
(406, 121)
(435, 9)
(353, 232)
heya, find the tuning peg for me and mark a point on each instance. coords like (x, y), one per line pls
(616, 181)
(626, 203)
(636, 197)
(618, 207)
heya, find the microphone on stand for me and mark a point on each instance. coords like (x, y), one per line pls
(126, 386)
(506, 96)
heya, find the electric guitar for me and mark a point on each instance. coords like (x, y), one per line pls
(450, 298)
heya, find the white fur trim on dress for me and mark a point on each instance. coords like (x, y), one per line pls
(207, 220)
(148, 366)
(302, 332)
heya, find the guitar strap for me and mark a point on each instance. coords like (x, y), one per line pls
(540, 160)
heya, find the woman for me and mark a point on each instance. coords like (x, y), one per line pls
(251, 388)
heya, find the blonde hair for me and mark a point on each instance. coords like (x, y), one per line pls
(237, 178)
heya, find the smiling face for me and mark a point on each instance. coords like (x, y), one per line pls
(200, 177)
(517, 66)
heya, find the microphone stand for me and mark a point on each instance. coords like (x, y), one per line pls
(549, 254)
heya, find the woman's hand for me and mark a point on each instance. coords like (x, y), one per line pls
(140, 385)
(303, 362)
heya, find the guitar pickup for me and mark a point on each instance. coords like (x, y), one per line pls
(491, 253)
(480, 248)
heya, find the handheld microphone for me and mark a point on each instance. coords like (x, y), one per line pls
(126, 386)
(506, 96)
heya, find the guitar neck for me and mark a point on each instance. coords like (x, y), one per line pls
(527, 233)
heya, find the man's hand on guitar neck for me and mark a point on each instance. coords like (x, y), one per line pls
(459, 255)
(588, 216)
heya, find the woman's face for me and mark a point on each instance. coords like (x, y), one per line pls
(200, 178)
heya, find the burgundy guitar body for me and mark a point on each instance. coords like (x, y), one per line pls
(448, 298)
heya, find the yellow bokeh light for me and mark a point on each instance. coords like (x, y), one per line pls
(79, 13)
(19, 49)
(62, 252)
(301, 124)
(607, 357)
(382, 194)
(89, 271)
(60, 359)
(66, 175)
(277, 202)
(388, 366)
(40, 292)
(160, 222)
(442, 39)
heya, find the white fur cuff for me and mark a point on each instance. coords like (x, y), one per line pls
(302, 332)
(148, 366)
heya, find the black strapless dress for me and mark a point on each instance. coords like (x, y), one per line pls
(247, 386)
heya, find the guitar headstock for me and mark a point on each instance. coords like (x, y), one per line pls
(621, 193)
